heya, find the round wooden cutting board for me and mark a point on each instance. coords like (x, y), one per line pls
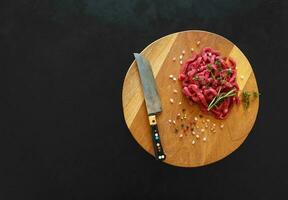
(209, 146)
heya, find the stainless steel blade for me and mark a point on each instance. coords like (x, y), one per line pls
(152, 99)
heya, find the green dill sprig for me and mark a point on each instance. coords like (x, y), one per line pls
(256, 94)
(246, 99)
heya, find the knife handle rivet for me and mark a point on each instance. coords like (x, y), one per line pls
(156, 134)
(152, 120)
(158, 144)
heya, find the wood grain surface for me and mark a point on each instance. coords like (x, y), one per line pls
(179, 146)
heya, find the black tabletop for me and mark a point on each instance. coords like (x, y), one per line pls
(62, 130)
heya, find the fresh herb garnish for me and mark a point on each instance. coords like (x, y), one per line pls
(223, 82)
(256, 94)
(219, 78)
(219, 97)
(212, 74)
(218, 63)
(229, 71)
(208, 84)
(246, 99)
(196, 78)
(209, 67)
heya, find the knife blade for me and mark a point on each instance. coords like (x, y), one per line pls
(152, 101)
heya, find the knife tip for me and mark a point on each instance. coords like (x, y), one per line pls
(136, 54)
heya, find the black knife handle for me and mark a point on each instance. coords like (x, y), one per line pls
(158, 150)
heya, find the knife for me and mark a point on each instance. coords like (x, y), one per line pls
(152, 101)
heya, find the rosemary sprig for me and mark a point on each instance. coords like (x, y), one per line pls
(212, 74)
(214, 98)
(219, 97)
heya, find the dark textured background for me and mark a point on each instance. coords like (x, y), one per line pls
(62, 132)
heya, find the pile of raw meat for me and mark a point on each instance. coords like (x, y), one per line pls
(206, 75)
